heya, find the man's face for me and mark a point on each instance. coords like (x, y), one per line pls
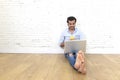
(71, 24)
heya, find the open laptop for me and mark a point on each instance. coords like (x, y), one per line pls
(75, 45)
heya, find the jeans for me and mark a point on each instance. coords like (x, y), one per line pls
(71, 59)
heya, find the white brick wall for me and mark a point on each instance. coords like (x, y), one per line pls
(34, 26)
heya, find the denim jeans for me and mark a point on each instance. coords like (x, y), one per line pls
(71, 59)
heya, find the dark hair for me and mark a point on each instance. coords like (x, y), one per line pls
(71, 18)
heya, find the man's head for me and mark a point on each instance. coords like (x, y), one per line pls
(71, 22)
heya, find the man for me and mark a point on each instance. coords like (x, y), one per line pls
(76, 59)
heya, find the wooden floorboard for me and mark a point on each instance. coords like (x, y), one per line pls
(56, 67)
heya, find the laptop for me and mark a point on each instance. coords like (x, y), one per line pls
(75, 45)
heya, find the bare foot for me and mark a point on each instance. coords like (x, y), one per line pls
(82, 68)
(82, 57)
(81, 62)
(77, 62)
(84, 71)
(76, 65)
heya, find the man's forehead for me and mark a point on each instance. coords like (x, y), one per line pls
(73, 21)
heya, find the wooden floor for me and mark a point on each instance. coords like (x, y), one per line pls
(56, 67)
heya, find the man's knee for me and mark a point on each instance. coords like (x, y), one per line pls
(70, 54)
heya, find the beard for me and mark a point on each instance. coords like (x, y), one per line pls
(72, 27)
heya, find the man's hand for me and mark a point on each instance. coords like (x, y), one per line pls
(62, 45)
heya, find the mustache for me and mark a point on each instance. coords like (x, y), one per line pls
(72, 26)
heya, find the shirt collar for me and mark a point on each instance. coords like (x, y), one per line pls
(74, 30)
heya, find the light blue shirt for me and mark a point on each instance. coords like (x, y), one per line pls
(66, 35)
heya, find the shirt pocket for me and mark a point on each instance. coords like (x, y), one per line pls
(77, 37)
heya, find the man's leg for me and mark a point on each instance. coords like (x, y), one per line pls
(72, 60)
